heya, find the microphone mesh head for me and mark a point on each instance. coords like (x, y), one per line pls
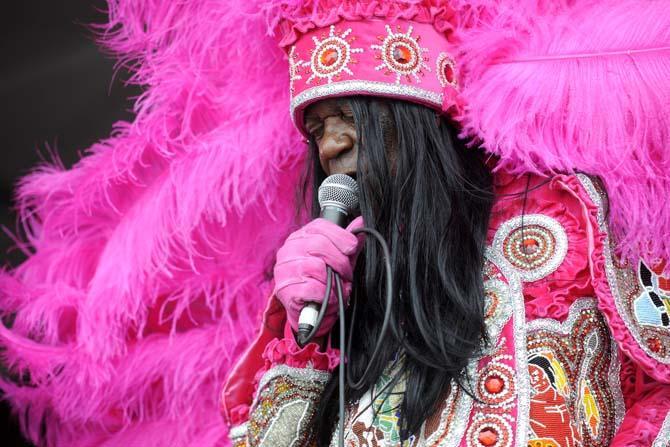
(339, 190)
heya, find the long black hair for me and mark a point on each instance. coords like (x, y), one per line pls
(431, 198)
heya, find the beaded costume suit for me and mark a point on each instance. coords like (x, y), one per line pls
(579, 340)
(579, 351)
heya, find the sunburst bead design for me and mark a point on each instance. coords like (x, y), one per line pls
(294, 64)
(401, 54)
(331, 56)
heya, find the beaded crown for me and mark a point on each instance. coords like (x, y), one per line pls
(403, 50)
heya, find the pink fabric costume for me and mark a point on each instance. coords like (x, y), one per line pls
(147, 261)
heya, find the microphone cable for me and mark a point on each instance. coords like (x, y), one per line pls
(332, 276)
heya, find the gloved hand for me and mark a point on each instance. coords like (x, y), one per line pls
(300, 272)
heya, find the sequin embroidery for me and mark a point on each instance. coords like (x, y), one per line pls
(284, 407)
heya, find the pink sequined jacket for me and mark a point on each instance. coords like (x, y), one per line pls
(580, 352)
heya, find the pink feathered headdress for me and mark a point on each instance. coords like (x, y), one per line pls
(148, 259)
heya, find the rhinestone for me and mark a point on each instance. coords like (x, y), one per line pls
(402, 54)
(494, 384)
(449, 74)
(488, 437)
(654, 344)
(329, 57)
(530, 246)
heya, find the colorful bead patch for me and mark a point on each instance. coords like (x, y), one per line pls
(652, 306)
(285, 406)
(640, 295)
(574, 373)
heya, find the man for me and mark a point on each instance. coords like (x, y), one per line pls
(504, 288)
(151, 256)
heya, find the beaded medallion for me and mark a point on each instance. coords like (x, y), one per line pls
(533, 244)
(401, 55)
(331, 56)
(446, 70)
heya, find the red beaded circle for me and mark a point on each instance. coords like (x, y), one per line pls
(489, 431)
(330, 56)
(402, 54)
(446, 70)
(529, 247)
(496, 384)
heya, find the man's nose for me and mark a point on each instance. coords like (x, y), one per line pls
(335, 140)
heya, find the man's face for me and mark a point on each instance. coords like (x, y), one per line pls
(331, 124)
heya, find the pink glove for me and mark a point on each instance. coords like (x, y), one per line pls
(300, 271)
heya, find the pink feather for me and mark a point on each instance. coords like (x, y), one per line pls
(579, 86)
(149, 257)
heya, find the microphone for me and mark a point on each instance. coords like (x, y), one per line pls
(338, 199)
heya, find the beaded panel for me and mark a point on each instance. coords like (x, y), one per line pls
(493, 422)
(641, 296)
(575, 397)
(494, 434)
(284, 407)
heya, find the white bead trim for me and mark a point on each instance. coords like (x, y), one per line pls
(355, 87)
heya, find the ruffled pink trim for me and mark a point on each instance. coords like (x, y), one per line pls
(287, 352)
(551, 296)
(643, 421)
(606, 304)
(292, 19)
(239, 415)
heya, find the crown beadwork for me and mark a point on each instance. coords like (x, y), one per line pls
(404, 59)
